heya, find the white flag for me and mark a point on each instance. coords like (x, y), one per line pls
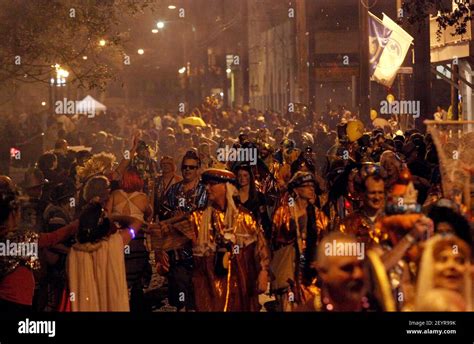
(393, 53)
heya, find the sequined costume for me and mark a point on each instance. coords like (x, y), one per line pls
(364, 228)
(146, 168)
(232, 286)
(8, 263)
(16, 268)
(290, 230)
(178, 199)
(180, 286)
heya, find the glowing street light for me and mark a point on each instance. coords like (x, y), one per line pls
(43, 103)
(140, 51)
(182, 70)
(84, 57)
(61, 75)
(228, 70)
(154, 30)
(160, 25)
(172, 7)
(102, 42)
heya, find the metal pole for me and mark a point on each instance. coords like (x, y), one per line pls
(364, 78)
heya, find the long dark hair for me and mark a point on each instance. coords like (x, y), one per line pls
(252, 187)
(93, 224)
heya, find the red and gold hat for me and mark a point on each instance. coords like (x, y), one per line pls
(217, 176)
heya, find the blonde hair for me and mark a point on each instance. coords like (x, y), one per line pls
(98, 163)
(96, 189)
(425, 282)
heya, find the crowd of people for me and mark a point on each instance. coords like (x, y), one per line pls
(323, 219)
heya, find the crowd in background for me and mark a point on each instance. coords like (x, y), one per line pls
(95, 183)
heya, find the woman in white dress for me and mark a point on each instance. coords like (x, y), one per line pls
(96, 264)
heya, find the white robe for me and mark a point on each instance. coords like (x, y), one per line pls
(97, 278)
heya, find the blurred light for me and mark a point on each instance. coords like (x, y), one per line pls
(102, 42)
(62, 73)
(14, 152)
(222, 94)
(43, 103)
(228, 70)
(52, 81)
(160, 25)
(84, 57)
(172, 7)
(140, 51)
(182, 70)
(154, 30)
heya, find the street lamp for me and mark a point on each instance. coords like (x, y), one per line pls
(160, 25)
(58, 79)
(172, 7)
(154, 31)
(182, 70)
(140, 51)
(102, 42)
(61, 75)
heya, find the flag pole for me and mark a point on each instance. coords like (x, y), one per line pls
(364, 75)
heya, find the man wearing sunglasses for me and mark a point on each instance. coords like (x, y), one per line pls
(184, 196)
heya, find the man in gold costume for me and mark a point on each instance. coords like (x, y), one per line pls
(370, 184)
(230, 252)
(297, 228)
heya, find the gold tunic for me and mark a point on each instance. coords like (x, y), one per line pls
(366, 230)
(284, 233)
(237, 289)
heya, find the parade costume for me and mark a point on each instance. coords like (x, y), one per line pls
(97, 279)
(296, 233)
(18, 270)
(364, 228)
(401, 214)
(229, 253)
(359, 223)
(180, 285)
